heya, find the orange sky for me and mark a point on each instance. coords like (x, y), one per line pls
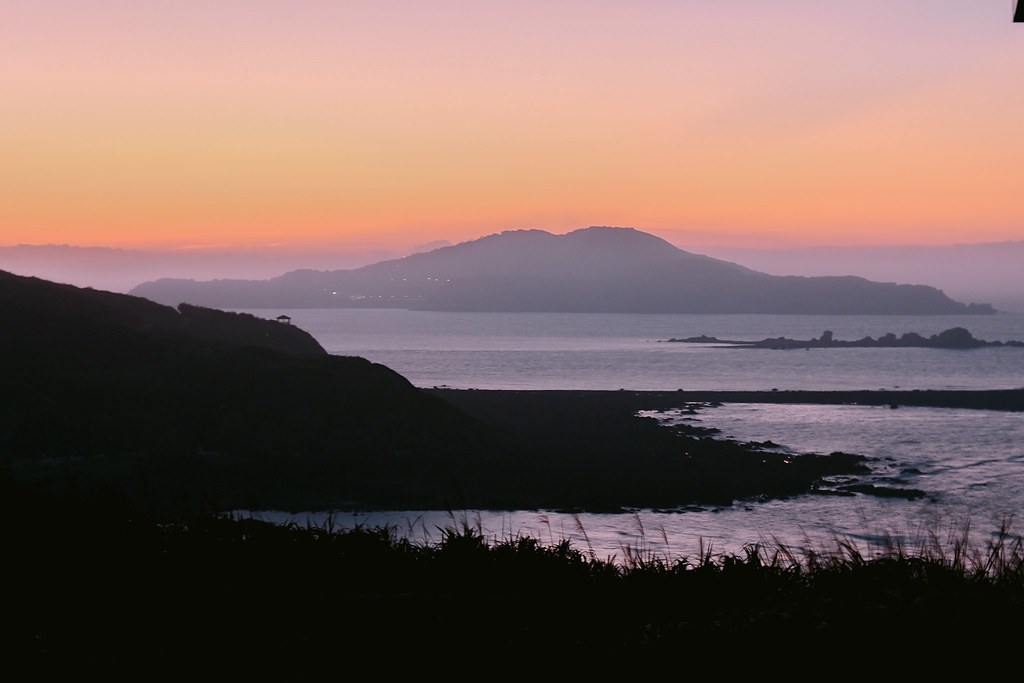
(388, 124)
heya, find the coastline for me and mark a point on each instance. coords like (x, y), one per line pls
(590, 450)
(485, 400)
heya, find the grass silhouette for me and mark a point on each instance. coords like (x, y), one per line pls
(104, 589)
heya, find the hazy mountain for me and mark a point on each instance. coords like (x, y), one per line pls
(597, 269)
(118, 270)
(991, 272)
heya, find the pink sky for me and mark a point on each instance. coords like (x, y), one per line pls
(381, 125)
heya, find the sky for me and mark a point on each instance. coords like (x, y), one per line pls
(343, 124)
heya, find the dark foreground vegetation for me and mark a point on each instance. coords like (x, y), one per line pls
(128, 429)
(92, 587)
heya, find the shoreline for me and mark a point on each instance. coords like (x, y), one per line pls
(975, 399)
(591, 450)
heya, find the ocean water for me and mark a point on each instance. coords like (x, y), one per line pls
(624, 351)
(968, 463)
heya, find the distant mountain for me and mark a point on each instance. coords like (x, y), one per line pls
(597, 269)
(989, 271)
(118, 270)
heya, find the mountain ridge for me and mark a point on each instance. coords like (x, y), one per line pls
(988, 271)
(600, 269)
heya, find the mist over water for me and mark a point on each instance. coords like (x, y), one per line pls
(965, 461)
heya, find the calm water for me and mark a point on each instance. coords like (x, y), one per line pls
(970, 463)
(601, 351)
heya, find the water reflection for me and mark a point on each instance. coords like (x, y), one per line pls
(967, 461)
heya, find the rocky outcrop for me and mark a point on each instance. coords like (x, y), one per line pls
(953, 338)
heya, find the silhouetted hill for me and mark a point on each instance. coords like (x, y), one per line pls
(597, 269)
(43, 313)
(194, 409)
(201, 409)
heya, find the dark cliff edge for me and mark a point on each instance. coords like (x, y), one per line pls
(594, 270)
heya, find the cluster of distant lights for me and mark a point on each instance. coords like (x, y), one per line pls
(429, 279)
(392, 296)
(356, 297)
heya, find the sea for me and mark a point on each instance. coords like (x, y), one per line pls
(969, 464)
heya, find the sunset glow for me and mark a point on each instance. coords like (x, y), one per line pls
(389, 124)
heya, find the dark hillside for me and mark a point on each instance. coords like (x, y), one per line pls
(200, 410)
(39, 312)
